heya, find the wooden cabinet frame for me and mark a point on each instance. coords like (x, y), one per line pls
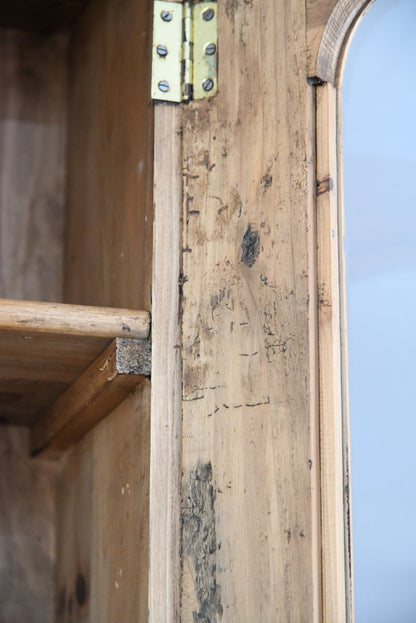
(257, 168)
(240, 439)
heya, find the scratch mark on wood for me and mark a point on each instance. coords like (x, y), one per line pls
(199, 541)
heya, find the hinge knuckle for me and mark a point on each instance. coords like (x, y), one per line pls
(185, 55)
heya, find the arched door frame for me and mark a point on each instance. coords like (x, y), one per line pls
(327, 52)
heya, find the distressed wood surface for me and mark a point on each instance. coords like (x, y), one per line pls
(109, 206)
(331, 420)
(100, 389)
(33, 77)
(103, 498)
(248, 539)
(27, 531)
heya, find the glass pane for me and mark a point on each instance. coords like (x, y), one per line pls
(379, 128)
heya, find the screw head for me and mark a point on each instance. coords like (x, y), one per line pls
(163, 86)
(208, 14)
(208, 84)
(166, 16)
(162, 50)
(210, 49)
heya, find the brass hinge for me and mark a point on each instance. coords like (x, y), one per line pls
(184, 64)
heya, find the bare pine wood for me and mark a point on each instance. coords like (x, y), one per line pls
(103, 498)
(248, 548)
(45, 347)
(33, 77)
(318, 13)
(331, 436)
(109, 211)
(27, 531)
(336, 36)
(164, 580)
(99, 390)
(83, 320)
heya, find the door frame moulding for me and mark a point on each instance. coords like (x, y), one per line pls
(326, 76)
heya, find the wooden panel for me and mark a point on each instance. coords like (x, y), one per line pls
(39, 14)
(27, 532)
(109, 242)
(103, 519)
(248, 550)
(32, 164)
(101, 388)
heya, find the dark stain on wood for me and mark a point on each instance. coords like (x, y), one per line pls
(81, 589)
(324, 185)
(199, 541)
(250, 247)
(266, 181)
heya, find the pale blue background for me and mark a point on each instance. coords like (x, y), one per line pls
(379, 118)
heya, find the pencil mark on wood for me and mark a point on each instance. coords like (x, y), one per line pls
(199, 541)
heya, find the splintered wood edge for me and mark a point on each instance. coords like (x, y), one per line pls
(105, 383)
(59, 318)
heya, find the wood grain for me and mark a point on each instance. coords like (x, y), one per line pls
(27, 531)
(331, 410)
(83, 320)
(45, 347)
(330, 24)
(103, 498)
(164, 572)
(336, 36)
(247, 448)
(99, 390)
(109, 212)
(36, 369)
(33, 75)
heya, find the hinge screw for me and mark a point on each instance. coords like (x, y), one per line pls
(208, 84)
(208, 14)
(166, 16)
(210, 49)
(162, 50)
(163, 86)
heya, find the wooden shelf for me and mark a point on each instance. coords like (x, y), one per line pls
(63, 367)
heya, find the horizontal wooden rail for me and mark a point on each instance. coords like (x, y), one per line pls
(60, 318)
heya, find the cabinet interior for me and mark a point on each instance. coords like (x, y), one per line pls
(76, 145)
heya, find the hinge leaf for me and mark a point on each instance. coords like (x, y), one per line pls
(184, 56)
